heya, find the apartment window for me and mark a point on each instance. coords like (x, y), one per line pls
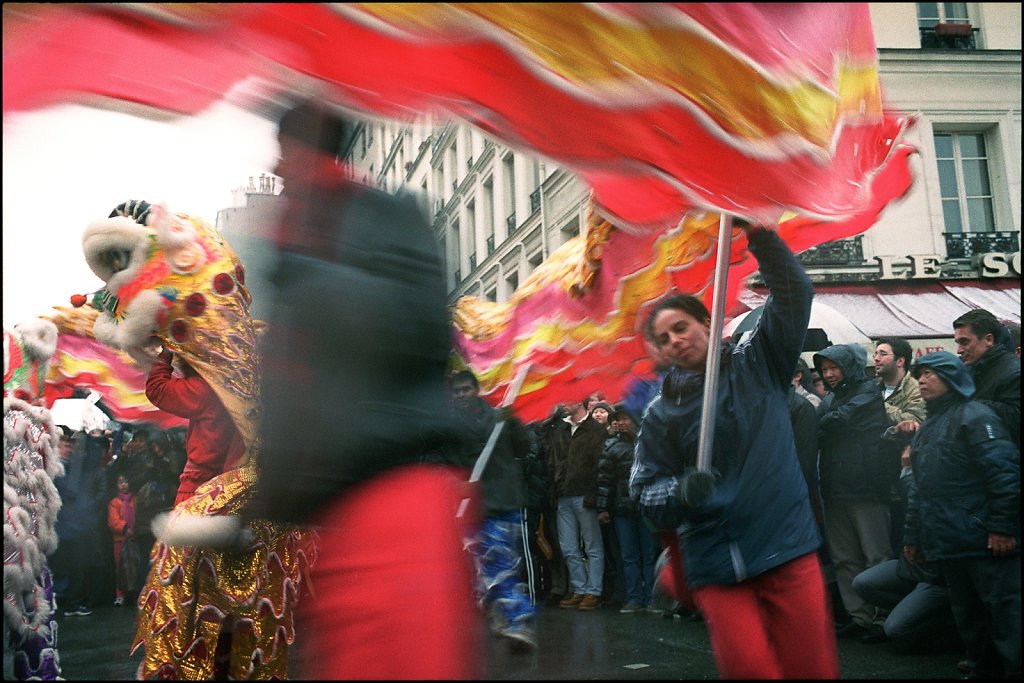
(471, 233)
(535, 260)
(508, 168)
(487, 213)
(453, 167)
(456, 252)
(945, 25)
(964, 182)
(512, 283)
(492, 295)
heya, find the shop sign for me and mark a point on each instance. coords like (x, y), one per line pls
(929, 266)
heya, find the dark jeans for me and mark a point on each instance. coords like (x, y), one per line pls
(984, 593)
(639, 549)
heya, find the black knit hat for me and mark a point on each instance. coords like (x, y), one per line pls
(602, 404)
(312, 124)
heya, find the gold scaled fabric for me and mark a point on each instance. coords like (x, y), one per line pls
(190, 590)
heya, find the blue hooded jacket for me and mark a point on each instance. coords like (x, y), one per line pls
(759, 516)
(966, 470)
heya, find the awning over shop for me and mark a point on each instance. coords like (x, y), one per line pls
(920, 309)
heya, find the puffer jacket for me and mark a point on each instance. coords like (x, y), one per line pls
(966, 472)
(997, 384)
(850, 428)
(759, 515)
(613, 476)
(573, 458)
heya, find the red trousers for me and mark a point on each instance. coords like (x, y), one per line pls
(393, 585)
(776, 625)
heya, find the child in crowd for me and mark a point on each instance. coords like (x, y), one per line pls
(121, 520)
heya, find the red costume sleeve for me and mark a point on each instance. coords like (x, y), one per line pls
(185, 397)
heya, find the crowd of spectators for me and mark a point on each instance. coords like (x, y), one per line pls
(103, 471)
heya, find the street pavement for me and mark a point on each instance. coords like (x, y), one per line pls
(598, 645)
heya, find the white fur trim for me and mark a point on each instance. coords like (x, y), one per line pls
(31, 504)
(119, 232)
(39, 336)
(215, 531)
(139, 324)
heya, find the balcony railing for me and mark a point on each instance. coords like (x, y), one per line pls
(949, 37)
(472, 261)
(490, 244)
(535, 201)
(510, 223)
(968, 244)
(847, 252)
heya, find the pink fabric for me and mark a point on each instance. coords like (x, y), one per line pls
(394, 587)
(774, 626)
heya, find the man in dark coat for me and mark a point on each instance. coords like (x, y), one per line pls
(965, 513)
(983, 345)
(750, 547)
(574, 449)
(353, 388)
(854, 492)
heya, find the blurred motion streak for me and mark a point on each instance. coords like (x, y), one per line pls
(83, 362)
(666, 111)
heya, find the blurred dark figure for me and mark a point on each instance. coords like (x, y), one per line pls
(964, 512)
(78, 562)
(353, 387)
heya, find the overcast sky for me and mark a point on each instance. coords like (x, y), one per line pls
(68, 165)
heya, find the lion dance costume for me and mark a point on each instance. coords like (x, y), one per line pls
(172, 280)
(31, 501)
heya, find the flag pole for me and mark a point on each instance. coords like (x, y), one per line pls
(698, 485)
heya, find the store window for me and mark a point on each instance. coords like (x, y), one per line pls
(962, 160)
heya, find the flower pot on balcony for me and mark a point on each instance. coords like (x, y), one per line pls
(958, 30)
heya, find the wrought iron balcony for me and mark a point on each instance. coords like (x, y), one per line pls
(535, 201)
(472, 261)
(490, 244)
(968, 244)
(845, 252)
(510, 222)
(949, 37)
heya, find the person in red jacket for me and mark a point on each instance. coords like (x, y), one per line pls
(121, 520)
(213, 444)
